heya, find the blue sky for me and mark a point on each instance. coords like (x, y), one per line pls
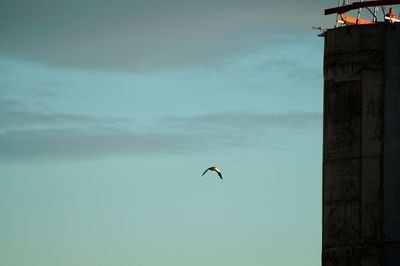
(111, 110)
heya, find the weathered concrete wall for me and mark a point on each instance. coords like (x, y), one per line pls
(391, 144)
(361, 171)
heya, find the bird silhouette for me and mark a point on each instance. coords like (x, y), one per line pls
(215, 169)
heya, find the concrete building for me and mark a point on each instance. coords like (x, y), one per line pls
(361, 149)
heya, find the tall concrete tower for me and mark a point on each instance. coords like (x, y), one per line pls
(361, 146)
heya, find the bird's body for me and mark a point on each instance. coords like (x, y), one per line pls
(215, 169)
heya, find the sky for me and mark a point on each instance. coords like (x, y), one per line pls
(110, 111)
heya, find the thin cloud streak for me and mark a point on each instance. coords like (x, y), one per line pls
(251, 121)
(27, 118)
(15, 115)
(74, 144)
(179, 135)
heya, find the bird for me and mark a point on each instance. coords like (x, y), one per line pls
(215, 169)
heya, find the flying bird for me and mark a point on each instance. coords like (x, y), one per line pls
(215, 169)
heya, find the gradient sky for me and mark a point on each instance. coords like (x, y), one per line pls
(111, 110)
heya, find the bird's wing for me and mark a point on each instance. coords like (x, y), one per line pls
(205, 171)
(219, 173)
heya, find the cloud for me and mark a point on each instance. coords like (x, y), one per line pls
(250, 121)
(31, 135)
(27, 135)
(144, 35)
(15, 115)
(9, 105)
(28, 118)
(31, 144)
